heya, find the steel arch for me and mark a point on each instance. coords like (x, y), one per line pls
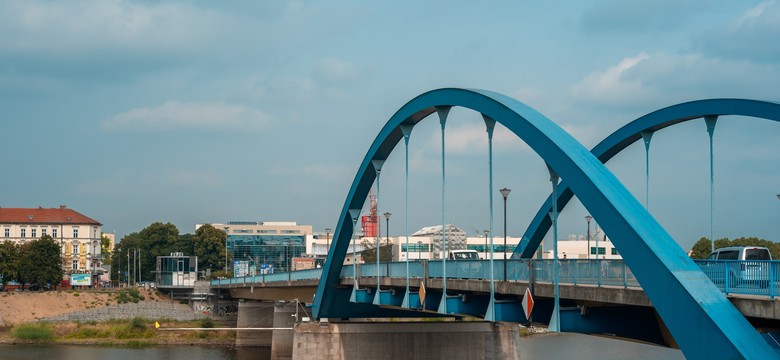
(630, 133)
(683, 296)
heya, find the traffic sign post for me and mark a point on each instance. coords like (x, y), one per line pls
(528, 304)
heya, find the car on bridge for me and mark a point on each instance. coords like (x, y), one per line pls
(741, 265)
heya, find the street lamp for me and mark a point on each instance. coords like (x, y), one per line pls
(419, 250)
(226, 250)
(486, 246)
(588, 218)
(504, 193)
(327, 241)
(387, 233)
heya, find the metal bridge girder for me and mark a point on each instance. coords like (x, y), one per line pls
(701, 319)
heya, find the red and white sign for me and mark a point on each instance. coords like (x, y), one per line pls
(528, 303)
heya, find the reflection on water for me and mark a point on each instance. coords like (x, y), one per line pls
(550, 346)
(73, 352)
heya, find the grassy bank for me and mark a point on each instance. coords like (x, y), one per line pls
(134, 332)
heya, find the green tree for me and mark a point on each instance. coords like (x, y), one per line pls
(105, 245)
(9, 262)
(209, 243)
(157, 239)
(702, 247)
(40, 262)
(369, 254)
(124, 255)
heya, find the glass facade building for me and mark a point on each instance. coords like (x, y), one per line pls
(264, 250)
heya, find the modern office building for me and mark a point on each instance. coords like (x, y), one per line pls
(78, 235)
(264, 246)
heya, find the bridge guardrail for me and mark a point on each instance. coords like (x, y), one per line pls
(750, 277)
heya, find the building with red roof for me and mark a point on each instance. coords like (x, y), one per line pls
(78, 235)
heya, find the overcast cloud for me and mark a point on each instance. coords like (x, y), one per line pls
(134, 111)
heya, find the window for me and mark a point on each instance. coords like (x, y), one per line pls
(33, 232)
(54, 232)
(24, 232)
(7, 232)
(75, 233)
(43, 232)
(614, 251)
(75, 265)
(602, 251)
(75, 248)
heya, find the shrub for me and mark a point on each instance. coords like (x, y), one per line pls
(34, 332)
(137, 323)
(207, 323)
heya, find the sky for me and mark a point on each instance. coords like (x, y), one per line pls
(133, 112)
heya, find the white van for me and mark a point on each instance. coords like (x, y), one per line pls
(750, 268)
(463, 255)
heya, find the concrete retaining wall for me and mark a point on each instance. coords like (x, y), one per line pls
(149, 310)
(441, 340)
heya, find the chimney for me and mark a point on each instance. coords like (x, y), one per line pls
(62, 206)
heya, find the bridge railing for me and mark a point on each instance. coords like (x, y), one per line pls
(753, 277)
(731, 276)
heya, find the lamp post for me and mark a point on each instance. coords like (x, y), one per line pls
(419, 250)
(226, 250)
(486, 245)
(505, 193)
(387, 233)
(588, 218)
(327, 242)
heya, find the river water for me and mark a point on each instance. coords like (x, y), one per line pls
(557, 346)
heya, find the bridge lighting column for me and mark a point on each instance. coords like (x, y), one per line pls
(588, 218)
(419, 250)
(505, 194)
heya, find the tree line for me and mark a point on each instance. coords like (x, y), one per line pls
(36, 262)
(703, 247)
(158, 239)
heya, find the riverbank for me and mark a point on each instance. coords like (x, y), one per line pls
(104, 317)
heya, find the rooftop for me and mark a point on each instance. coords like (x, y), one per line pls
(39, 215)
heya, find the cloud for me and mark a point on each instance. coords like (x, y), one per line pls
(30, 26)
(750, 37)
(174, 115)
(613, 84)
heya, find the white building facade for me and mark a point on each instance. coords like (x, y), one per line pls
(78, 235)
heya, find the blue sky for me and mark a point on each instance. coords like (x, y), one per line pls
(133, 112)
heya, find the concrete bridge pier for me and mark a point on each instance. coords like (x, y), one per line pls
(282, 341)
(254, 314)
(406, 340)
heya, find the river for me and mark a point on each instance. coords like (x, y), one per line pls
(569, 345)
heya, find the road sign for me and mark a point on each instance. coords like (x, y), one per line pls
(528, 303)
(422, 293)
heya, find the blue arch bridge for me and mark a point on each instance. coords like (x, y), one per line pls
(656, 293)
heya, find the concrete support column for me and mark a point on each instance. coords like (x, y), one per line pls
(254, 314)
(284, 317)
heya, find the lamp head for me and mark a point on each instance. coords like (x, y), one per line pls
(387, 215)
(505, 192)
(588, 218)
